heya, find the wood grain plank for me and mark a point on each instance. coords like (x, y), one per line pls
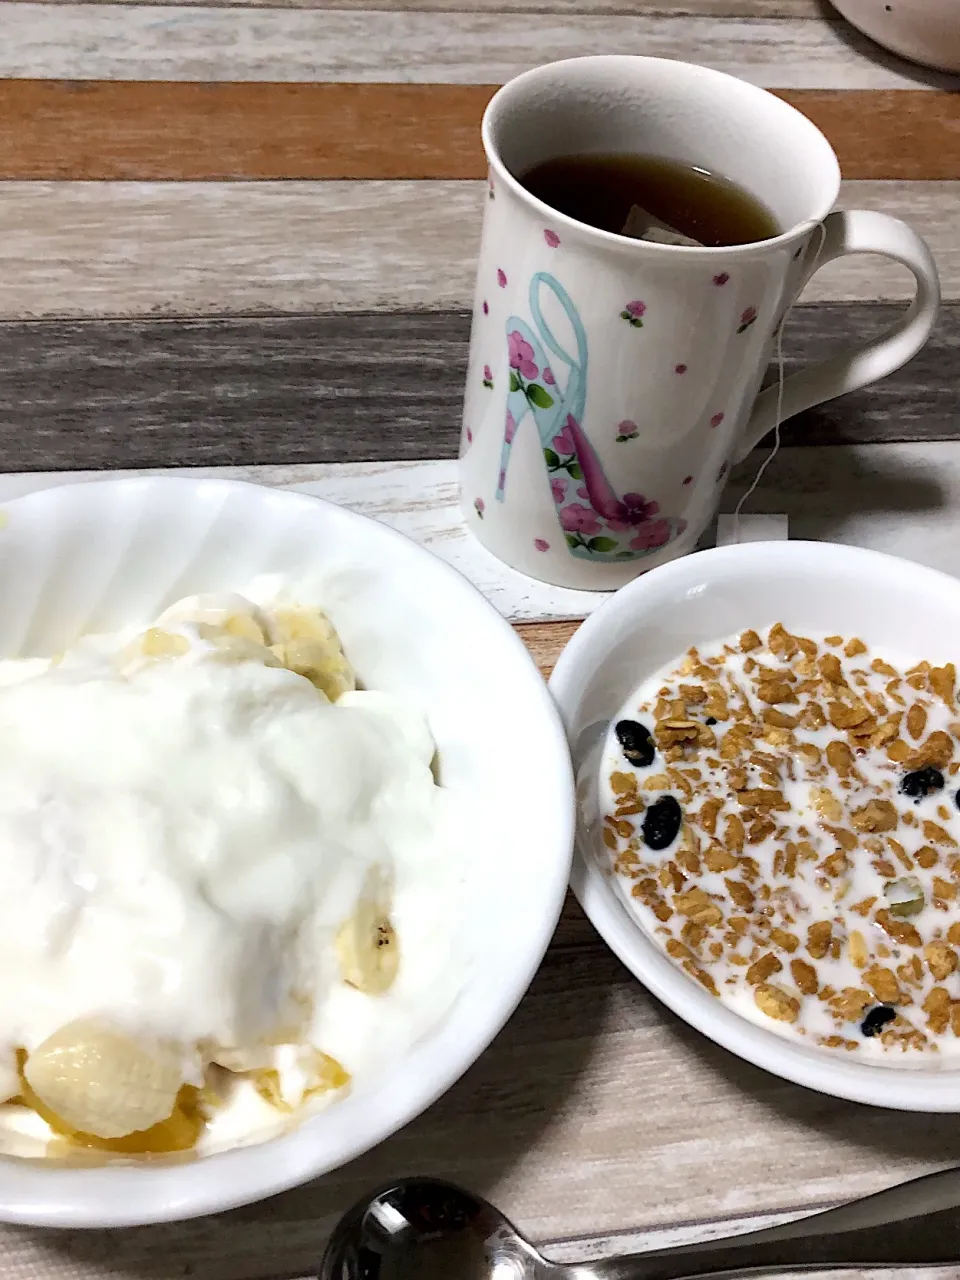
(579, 1249)
(546, 641)
(666, 8)
(352, 388)
(167, 42)
(101, 249)
(191, 131)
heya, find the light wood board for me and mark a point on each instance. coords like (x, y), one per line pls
(667, 8)
(165, 42)
(96, 249)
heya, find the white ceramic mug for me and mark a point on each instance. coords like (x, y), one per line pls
(612, 382)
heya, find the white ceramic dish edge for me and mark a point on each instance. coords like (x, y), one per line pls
(926, 31)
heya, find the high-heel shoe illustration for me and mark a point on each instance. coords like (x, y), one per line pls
(551, 388)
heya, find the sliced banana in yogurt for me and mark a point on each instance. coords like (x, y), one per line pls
(98, 1080)
(310, 1074)
(304, 641)
(366, 943)
(233, 628)
(224, 609)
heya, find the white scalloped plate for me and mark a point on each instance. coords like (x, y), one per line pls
(96, 556)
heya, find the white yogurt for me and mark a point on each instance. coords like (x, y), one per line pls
(180, 841)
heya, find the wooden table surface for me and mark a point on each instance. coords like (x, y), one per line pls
(242, 239)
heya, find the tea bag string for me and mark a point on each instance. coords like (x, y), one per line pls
(779, 414)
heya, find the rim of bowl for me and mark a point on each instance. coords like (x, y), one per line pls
(899, 1088)
(131, 1194)
(677, 253)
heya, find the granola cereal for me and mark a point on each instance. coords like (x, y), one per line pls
(783, 812)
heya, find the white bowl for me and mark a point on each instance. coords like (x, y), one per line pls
(927, 31)
(95, 556)
(808, 586)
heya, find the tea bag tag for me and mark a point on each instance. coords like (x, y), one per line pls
(641, 225)
(760, 528)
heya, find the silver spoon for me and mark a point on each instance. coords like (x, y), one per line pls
(422, 1229)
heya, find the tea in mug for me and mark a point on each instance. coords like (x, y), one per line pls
(648, 197)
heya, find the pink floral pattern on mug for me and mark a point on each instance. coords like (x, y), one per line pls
(563, 441)
(524, 370)
(747, 319)
(520, 354)
(588, 521)
(479, 506)
(635, 510)
(501, 277)
(633, 313)
(541, 544)
(716, 420)
(654, 535)
(680, 369)
(688, 479)
(562, 457)
(488, 377)
(597, 521)
(721, 279)
(577, 518)
(486, 307)
(551, 237)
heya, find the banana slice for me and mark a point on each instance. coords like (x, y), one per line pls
(96, 1080)
(224, 609)
(301, 623)
(179, 1132)
(241, 626)
(319, 1074)
(305, 641)
(232, 646)
(153, 645)
(366, 943)
(326, 668)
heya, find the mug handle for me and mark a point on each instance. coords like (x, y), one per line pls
(859, 231)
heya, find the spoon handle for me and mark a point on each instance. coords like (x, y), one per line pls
(914, 1224)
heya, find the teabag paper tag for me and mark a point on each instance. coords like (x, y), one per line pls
(760, 528)
(641, 225)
